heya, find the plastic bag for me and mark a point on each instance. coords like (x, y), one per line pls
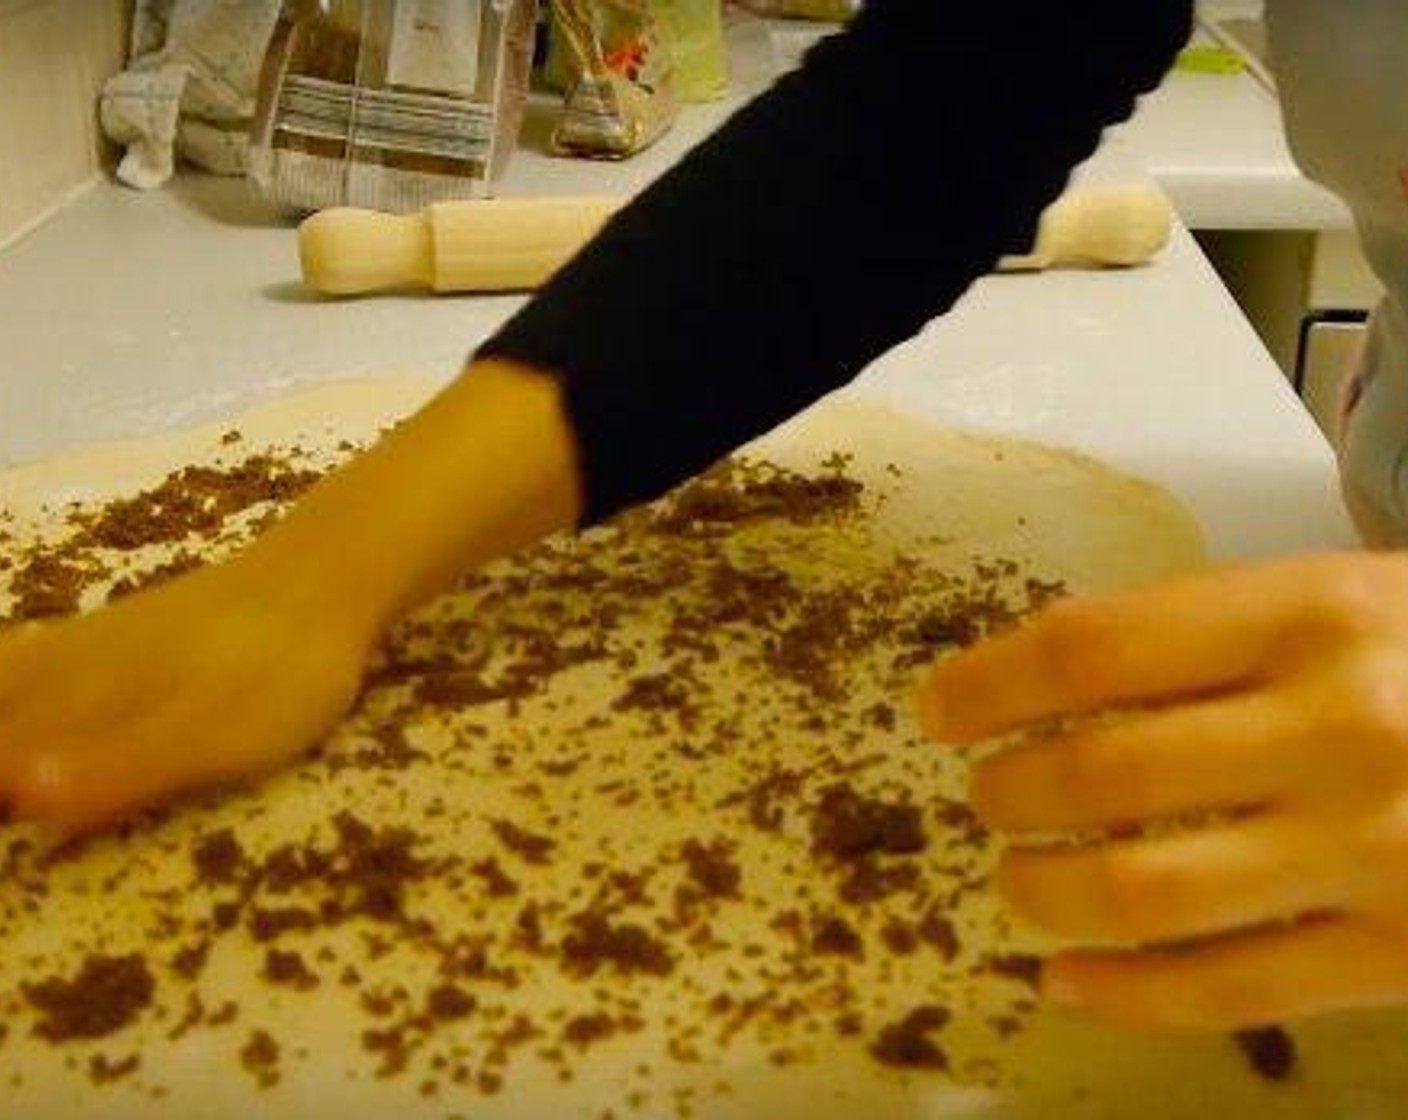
(837, 11)
(189, 87)
(694, 35)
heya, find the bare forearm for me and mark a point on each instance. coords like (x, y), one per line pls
(487, 467)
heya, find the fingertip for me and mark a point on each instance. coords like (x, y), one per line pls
(47, 790)
(1080, 983)
(25, 630)
(940, 708)
(42, 779)
(1015, 880)
(1061, 984)
(34, 786)
(1096, 987)
(17, 644)
(988, 795)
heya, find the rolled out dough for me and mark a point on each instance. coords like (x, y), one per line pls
(748, 1002)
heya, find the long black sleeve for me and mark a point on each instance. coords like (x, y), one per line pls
(826, 222)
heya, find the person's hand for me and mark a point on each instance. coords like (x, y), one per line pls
(237, 668)
(218, 675)
(1263, 711)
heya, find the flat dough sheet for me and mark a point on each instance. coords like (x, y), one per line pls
(636, 825)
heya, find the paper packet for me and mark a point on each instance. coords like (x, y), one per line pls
(390, 104)
(611, 60)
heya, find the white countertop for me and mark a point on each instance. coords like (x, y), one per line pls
(129, 312)
(1217, 144)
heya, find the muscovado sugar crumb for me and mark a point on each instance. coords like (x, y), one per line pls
(1021, 967)
(529, 846)
(833, 935)
(847, 825)
(447, 1002)
(594, 942)
(218, 856)
(712, 868)
(105, 995)
(1270, 1051)
(288, 967)
(260, 1058)
(907, 1045)
(103, 1070)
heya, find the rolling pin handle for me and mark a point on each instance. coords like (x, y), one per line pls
(345, 251)
(1102, 226)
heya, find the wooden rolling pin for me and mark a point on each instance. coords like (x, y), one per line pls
(1099, 227)
(498, 245)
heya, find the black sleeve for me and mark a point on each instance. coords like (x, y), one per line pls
(827, 221)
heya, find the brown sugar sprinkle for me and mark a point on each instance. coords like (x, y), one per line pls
(866, 880)
(1270, 1052)
(936, 929)
(223, 1015)
(189, 961)
(882, 715)
(371, 868)
(733, 494)
(107, 994)
(962, 823)
(192, 1016)
(846, 825)
(260, 1058)
(448, 1002)
(48, 579)
(47, 585)
(654, 692)
(907, 1044)
(832, 935)
(497, 882)
(393, 1047)
(196, 500)
(283, 966)
(584, 1030)
(595, 943)
(531, 847)
(103, 1070)
(765, 799)
(270, 923)
(528, 929)
(656, 606)
(1007, 1025)
(1021, 967)
(218, 857)
(178, 565)
(952, 626)
(461, 688)
(900, 938)
(712, 867)
(225, 915)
